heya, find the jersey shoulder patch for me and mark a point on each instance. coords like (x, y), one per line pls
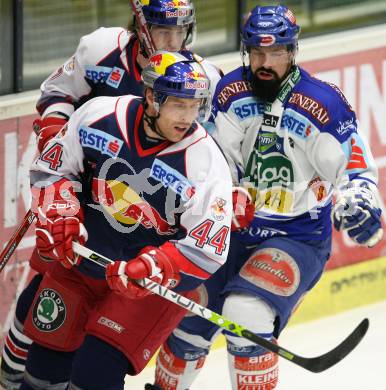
(323, 105)
(319, 101)
(231, 87)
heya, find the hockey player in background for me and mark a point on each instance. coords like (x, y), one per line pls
(156, 194)
(107, 62)
(293, 138)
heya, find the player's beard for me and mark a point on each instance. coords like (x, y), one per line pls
(266, 90)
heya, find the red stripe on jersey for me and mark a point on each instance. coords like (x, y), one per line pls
(134, 54)
(183, 263)
(126, 138)
(145, 152)
(18, 352)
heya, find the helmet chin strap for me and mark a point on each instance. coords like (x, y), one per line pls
(151, 121)
(243, 55)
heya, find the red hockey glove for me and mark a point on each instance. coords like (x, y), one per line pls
(243, 209)
(152, 263)
(46, 129)
(59, 222)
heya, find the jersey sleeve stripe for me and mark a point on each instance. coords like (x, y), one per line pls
(186, 265)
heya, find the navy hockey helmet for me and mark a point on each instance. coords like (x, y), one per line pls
(174, 74)
(271, 25)
(171, 13)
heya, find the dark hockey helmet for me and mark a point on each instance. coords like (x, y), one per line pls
(175, 74)
(271, 25)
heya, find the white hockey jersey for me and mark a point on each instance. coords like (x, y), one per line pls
(104, 64)
(143, 192)
(293, 151)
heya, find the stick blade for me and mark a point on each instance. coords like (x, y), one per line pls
(329, 359)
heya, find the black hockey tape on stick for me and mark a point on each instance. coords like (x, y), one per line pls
(16, 238)
(315, 364)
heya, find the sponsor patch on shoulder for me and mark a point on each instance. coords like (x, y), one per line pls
(97, 74)
(233, 89)
(115, 77)
(69, 66)
(247, 108)
(310, 105)
(346, 126)
(99, 140)
(170, 178)
(218, 209)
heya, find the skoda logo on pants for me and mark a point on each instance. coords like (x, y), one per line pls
(49, 311)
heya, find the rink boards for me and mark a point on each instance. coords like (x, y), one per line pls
(355, 61)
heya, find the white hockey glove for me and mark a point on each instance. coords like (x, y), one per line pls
(356, 211)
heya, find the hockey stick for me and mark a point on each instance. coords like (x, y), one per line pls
(315, 364)
(18, 234)
(16, 238)
(136, 6)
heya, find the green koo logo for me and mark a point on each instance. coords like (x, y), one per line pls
(49, 311)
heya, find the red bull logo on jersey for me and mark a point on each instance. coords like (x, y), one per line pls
(170, 178)
(99, 140)
(127, 207)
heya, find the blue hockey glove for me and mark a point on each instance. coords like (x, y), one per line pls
(356, 212)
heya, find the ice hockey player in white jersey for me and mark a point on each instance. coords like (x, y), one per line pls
(294, 139)
(107, 62)
(152, 181)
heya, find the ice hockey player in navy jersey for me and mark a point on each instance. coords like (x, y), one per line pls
(292, 139)
(140, 181)
(107, 62)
